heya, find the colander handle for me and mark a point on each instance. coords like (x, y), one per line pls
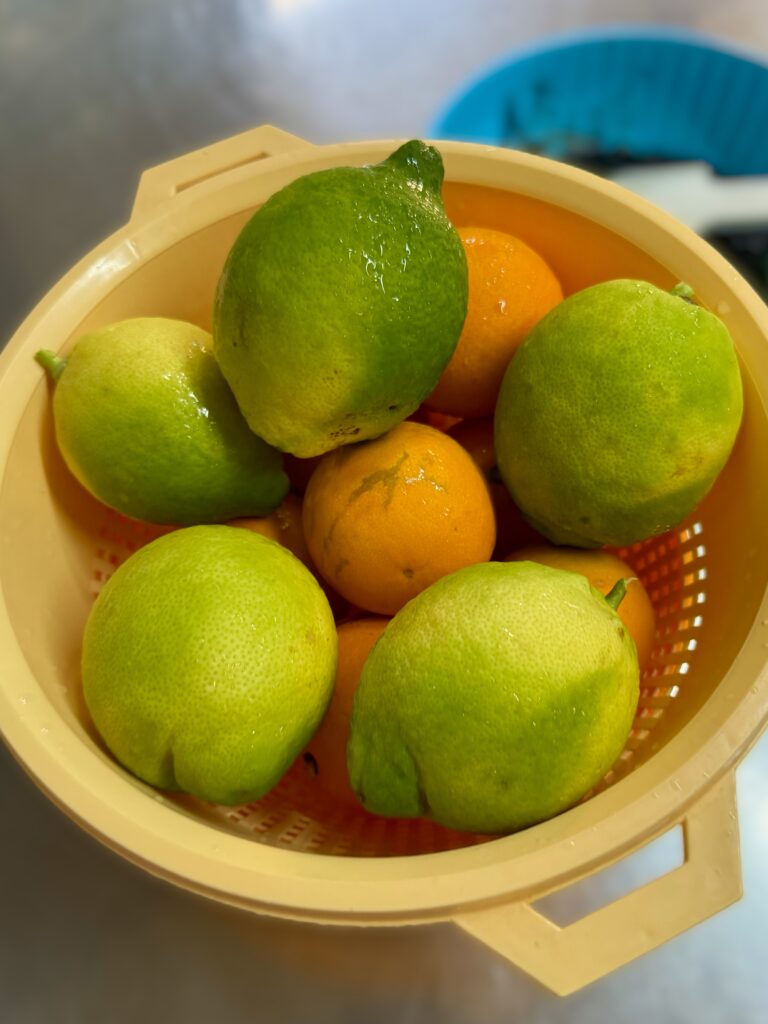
(160, 184)
(565, 959)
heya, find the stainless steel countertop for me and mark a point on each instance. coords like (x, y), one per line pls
(91, 93)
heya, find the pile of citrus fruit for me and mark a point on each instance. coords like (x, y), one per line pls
(398, 469)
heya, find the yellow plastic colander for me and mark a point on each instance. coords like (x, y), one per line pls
(704, 695)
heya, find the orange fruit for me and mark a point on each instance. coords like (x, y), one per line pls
(512, 530)
(510, 289)
(476, 435)
(603, 569)
(285, 526)
(384, 519)
(441, 421)
(326, 752)
(438, 420)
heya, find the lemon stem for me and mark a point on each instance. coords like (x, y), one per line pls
(684, 291)
(420, 162)
(616, 594)
(51, 363)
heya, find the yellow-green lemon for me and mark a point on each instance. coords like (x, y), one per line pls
(341, 302)
(208, 661)
(495, 699)
(617, 414)
(146, 422)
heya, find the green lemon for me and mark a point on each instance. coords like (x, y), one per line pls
(617, 414)
(495, 699)
(341, 302)
(146, 422)
(208, 661)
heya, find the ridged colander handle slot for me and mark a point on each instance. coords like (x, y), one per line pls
(160, 184)
(565, 959)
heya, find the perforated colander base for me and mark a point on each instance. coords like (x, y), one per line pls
(296, 814)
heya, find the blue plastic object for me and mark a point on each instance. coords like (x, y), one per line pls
(631, 93)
